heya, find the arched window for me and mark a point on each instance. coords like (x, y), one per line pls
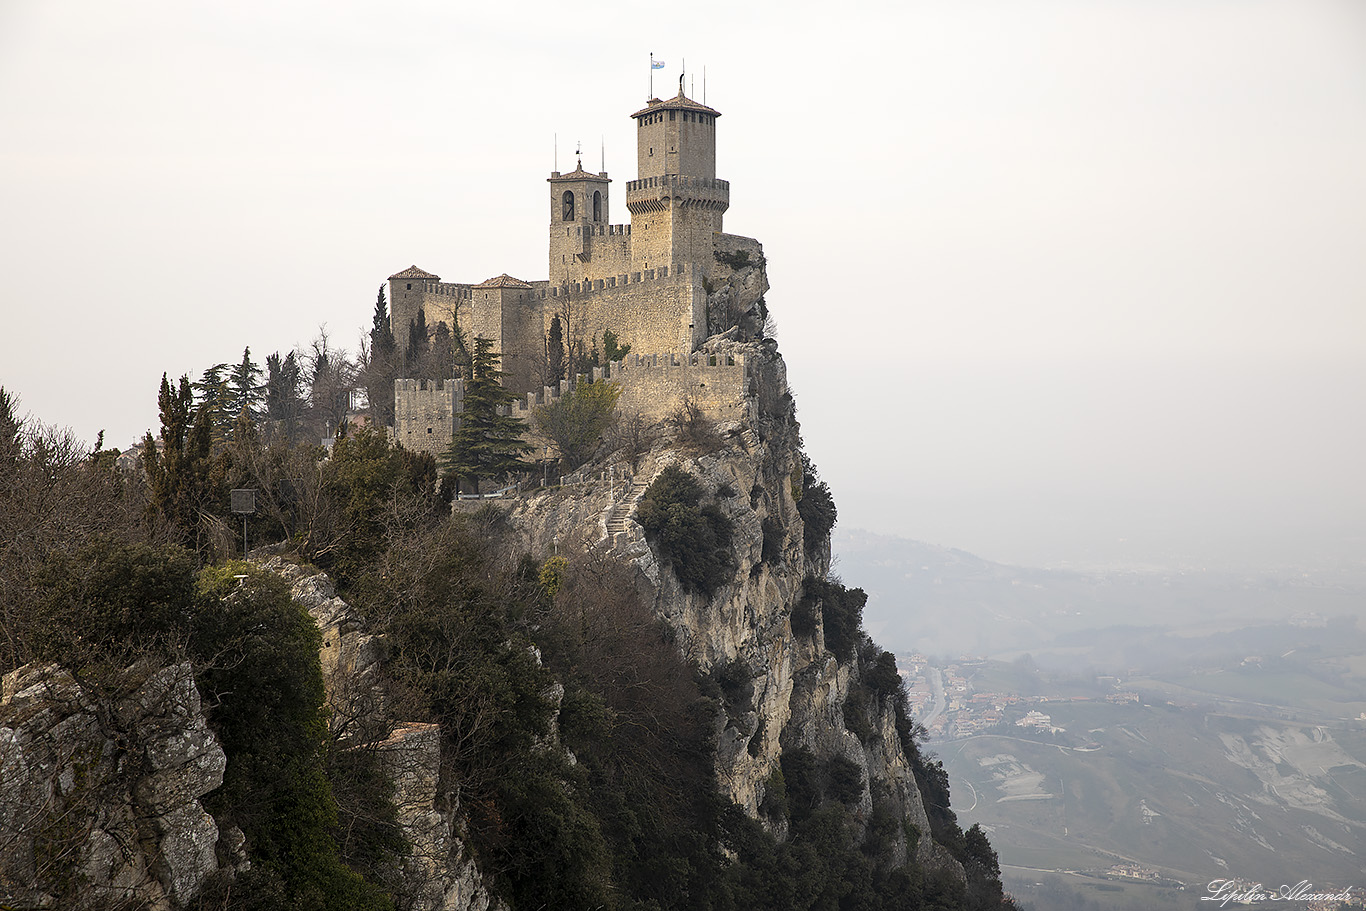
(568, 205)
(597, 205)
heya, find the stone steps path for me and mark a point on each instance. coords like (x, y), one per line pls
(621, 512)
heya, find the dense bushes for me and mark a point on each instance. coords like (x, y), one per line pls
(694, 539)
(257, 656)
(840, 609)
(816, 506)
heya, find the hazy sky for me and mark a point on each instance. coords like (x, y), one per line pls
(1056, 281)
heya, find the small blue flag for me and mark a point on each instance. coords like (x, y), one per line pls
(656, 64)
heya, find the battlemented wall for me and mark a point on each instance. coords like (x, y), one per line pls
(409, 293)
(425, 413)
(586, 252)
(656, 385)
(644, 281)
(652, 310)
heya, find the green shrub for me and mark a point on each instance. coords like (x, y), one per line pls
(256, 651)
(694, 539)
(856, 712)
(774, 803)
(110, 602)
(841, 611)
(844, 780)
(882, 677)
(736, 259)
(816, 506)
(772, 553)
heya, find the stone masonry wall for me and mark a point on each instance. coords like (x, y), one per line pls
(424, 413)
(654, 311)
(654, 387)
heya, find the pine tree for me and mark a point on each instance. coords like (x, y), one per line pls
(212, 396)
(488, 445)
(244, 389)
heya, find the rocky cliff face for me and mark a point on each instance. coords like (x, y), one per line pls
(101, 789)
(436, 872)
(786, 691)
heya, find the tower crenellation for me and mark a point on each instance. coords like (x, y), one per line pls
(647, 280)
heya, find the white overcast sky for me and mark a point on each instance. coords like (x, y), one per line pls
(1057, 282)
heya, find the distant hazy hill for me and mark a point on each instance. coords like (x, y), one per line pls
(949, 602)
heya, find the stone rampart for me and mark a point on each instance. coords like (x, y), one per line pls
(660, 309)
(425, 413)
(447, 289)
(654, 386)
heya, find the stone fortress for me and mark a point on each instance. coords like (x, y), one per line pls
(654, 283)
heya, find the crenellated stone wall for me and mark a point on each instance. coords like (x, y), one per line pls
(425, 413)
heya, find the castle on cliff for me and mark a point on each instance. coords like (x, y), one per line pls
(648, 282)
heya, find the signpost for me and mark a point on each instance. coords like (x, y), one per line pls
(244, 504)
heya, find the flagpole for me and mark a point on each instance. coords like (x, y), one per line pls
(652, 77)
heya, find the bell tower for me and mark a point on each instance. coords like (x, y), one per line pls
(676, 202)
(578, 213)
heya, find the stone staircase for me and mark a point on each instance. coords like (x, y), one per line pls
(621, 512)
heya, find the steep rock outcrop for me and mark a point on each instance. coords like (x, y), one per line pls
(436, 872)
(100, 788)
(785, 691)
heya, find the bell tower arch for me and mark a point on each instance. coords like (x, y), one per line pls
(578, 213)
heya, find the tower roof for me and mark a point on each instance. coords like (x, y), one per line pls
(415, 272)
(503, 281)
(679, 102)
(579, 174)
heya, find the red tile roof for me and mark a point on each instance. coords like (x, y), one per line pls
(680, 102)
(503, 281)
(415, 272)
(580, 174)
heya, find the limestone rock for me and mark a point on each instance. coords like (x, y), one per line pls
(351, 657)
(437, 873)
(99, 790)
(796, 692)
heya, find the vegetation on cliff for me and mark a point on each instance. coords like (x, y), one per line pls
(578, 742)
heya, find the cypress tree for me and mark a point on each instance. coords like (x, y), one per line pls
(284, 399)
(417, 343)
(554, 351)
(178, 476)
(382, 344)
(488, 445)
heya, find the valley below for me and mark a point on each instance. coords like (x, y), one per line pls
(1127, 738)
